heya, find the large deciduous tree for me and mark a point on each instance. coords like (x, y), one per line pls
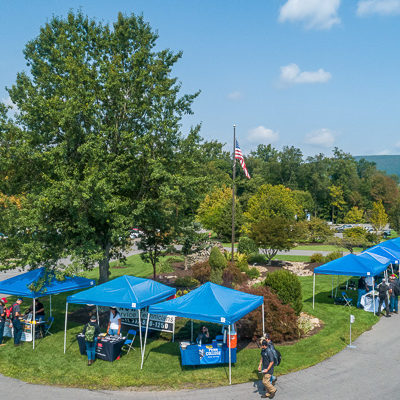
(96, 145)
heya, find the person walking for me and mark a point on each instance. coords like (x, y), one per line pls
(394, 296)
(91, 331)
(16, 322)
(384, 294)
(3, 316)
(266, 367)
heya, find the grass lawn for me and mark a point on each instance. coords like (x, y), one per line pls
(324, 247)
(288, 257)
(47, 363)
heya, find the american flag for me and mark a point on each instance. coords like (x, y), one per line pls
(239, 156)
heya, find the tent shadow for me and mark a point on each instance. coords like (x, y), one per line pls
(326, 297)
(172, 348)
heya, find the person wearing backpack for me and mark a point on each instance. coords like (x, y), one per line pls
(3, 309)
(394, 297)
(91, 331)
(384, 294)
(266, 367)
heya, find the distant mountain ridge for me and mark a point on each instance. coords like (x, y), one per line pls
(389, 164)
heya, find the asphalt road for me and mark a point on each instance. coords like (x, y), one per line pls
(370, 371)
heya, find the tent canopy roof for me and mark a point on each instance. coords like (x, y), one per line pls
(212, 303)
(125, 291)
(380, 249)
(19, 285)
(363, 264)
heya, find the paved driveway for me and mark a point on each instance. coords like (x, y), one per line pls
(370, 371)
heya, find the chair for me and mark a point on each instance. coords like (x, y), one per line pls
(348, 301)
(129, 342)
(47, 326)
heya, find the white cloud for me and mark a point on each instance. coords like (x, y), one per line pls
(320, 138)
(236, 95)
(316, 14)
(263, 135)
(381, 7)
(291, 74)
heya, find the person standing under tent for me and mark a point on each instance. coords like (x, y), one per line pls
(114, 325)
(394, 297)
(266, 367)
(16, 322)
(369, 280)
(384, 294)
(204, 336)
(3, 316)
(362, 289)
(91, 331)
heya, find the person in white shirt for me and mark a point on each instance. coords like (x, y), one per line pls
(369, 282)
(114, 325)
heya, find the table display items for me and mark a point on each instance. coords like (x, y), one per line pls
(108, 347)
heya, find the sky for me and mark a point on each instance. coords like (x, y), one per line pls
(314, 74)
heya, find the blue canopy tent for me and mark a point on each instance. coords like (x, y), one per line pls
(391, 254)
(20, 285)
(212, 303)
(125, 292)
(363, 264)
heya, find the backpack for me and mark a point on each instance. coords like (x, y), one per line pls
(383, 288)
(277, 356)
(8, 312)
(89, 333)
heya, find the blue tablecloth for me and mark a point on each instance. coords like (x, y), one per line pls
(206, 354)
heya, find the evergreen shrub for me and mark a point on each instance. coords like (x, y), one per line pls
(287, 287)
(247, 246)
(216, 260)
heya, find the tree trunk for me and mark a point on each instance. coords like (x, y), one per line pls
(154, 270)
(104, 265)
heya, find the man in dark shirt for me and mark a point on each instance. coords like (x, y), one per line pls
(39, 310)
(3, 302)
(266, 366)
(16, 315)
(384, 293)
(204, 336)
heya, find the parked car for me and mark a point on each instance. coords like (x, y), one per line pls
(3, 236)
(135, 233)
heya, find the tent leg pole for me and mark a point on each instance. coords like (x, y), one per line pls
(50, 308)
(263, 318)
(373, 293)
(65, 328)
(145, 339)
(332, 288)
(313, 290)
(229, 345)
(173, 332)
(191, 331)
(337, 284)
(33, 330)
(97, 313)
(140, 331)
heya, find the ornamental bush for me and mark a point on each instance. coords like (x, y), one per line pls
(216, 260)
(257, 258)
(287, 287)
(216, 276)
(247, 246)
(317, 258)
(201, 271)
(233, 276)
(333, 256)
(186, 282)
(280, 319)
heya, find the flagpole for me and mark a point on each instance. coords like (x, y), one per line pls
(233, 191)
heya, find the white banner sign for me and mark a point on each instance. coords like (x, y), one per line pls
(163, 323)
